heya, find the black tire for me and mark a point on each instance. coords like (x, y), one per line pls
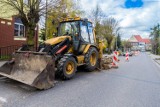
(62, 67)
(88, 65)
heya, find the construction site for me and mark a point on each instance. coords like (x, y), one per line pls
(79, 53)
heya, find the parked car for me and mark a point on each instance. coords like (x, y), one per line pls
(124, 53)
(143, 50)
(130, 53)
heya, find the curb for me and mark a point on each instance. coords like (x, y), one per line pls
(156, 61)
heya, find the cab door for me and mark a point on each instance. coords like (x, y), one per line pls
(84, 36)
(91, 33)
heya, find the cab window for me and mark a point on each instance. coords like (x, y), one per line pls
(84, 32)
(90, 29)
(68, 28)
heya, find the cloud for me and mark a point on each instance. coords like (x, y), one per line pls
(137, 20)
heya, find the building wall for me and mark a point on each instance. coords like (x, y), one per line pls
(134, 43)
(7, 33)
(7, 26)
(7, 37)
(139, 43)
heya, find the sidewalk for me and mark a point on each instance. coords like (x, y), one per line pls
(156, 58)
(2, 62)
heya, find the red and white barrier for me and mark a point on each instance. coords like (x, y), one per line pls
(115, 53)
(114, 64)
(115, 60)
(135, 53)
(127, 56)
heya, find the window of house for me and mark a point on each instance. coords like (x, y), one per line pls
(19, 29)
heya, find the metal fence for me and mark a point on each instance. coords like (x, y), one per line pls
(6, 52)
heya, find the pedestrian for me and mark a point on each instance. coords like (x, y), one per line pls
(127, 56)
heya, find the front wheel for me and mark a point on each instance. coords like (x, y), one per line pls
(66, 67)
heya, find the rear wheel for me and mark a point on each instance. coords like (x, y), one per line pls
(66, 67)
(91, 59)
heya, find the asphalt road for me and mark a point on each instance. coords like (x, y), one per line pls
(134, 84)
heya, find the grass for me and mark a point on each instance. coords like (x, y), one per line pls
(5, 57)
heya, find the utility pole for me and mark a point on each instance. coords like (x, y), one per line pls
(158, 39)
(158, 29)
(116, 42)
(46, 18)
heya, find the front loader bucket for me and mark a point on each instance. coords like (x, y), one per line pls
(33, 69)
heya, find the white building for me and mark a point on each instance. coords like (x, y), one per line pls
(140, 44)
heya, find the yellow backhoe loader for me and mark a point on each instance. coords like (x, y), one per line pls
(74, 45)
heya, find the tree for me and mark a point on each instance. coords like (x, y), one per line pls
(29, 11)
(97, 16)
(109, 29)
(126, 45)
(155, 39)
(65, 8)
(42, 35)
(119, 41)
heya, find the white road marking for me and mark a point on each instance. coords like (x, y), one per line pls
(3, 100)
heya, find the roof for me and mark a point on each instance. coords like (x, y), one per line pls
(146, 40)
(69, 19)
(138, 37)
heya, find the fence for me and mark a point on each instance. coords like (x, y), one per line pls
(6, 52)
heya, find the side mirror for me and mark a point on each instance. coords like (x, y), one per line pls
(85, 19)
(85, 22)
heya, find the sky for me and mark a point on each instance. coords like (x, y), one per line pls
(135, 17)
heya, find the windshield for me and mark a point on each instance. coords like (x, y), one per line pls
(68, 28)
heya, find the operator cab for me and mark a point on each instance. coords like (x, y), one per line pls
(81, 32)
